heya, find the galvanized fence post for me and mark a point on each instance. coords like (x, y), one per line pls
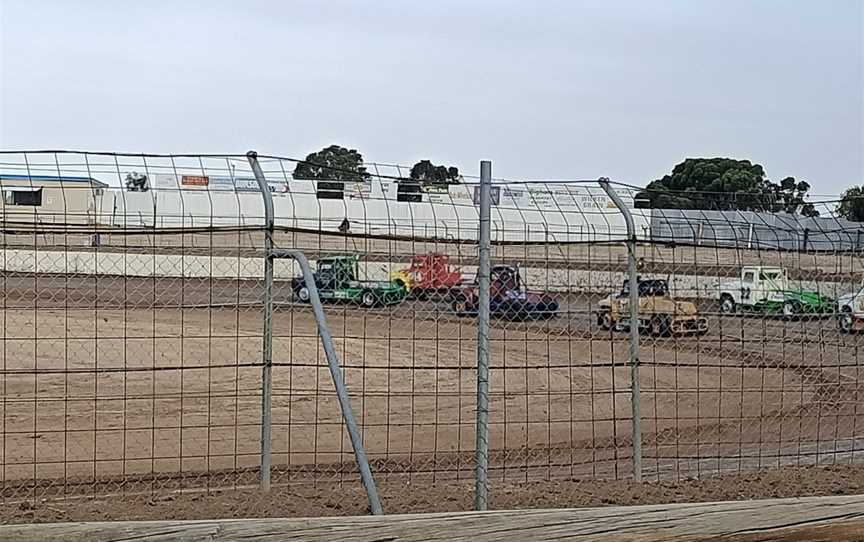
(481, 472)
(326, 340)
(634, 328)
(267, 357)
(338, 382)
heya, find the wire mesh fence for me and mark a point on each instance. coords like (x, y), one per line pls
(749, 229)
(133, 332)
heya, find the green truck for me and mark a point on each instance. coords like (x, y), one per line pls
(336, 279)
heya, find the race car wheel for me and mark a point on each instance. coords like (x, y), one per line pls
(604, 320)
(727, 304)
(303, 294)
(367, 299)
(664, 328)
(791, 309)
(845, 321)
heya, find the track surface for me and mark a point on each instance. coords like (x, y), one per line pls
(109, 378)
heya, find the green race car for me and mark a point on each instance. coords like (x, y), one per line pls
(336, 279)
(767, 290)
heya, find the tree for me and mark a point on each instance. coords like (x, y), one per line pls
(788, 197)
(428, 173)
(425, 173)
(852, 204)
(332, 166)
(136, 182)
(725, 184)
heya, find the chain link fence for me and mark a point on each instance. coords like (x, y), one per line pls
(134, 333)
(748, 229)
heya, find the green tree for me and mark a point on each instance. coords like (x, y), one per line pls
(136, 182)
(788, 196)
(426, 172)
(852, 204)
(332, 166)
(725, 184)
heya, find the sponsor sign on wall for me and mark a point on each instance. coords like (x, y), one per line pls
(215, 183)
(195, 180)
(362, 190)
(245, 184)
(436, 194)
(161, 180)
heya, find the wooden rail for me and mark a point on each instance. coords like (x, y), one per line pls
(811, 518)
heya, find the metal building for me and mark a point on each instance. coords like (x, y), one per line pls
(50, 199)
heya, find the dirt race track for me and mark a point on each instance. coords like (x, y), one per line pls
(143, 383)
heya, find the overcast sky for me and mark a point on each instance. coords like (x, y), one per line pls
(569, 89)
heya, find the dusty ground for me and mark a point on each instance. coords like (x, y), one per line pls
(349, 499)
(140, 385)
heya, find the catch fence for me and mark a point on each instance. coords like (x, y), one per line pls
(135, 325)
(749, 229)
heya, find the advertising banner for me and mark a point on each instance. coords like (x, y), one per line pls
(195, 180)
(436, 194)
(362, 190)
(165, 181)
(245, 184)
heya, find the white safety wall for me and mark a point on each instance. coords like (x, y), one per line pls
(538, 212)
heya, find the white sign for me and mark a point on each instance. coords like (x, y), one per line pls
(245, 184)
(164, 181)
(362, 190)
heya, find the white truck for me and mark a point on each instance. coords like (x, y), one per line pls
(850, 311)
(766, 289)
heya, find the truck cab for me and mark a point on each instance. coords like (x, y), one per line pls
(756, 287)
(428, 273)
(336, 272)
(337, 279)
(850, 311)
(767, 289)
(659, 313)
(332, 274)
(508, 297)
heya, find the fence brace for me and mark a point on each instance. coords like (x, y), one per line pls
(267, 347)
(481, 472)
(634, 328)
(326, 342)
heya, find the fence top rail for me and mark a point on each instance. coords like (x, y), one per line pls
(823, 518)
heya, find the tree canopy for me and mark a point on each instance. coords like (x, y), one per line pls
(428, 173)
(852, 204)
(136, 182)
(332, 166)
(725, 184)
(333, 163)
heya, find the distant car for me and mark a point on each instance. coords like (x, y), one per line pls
(507, 298)
(336, 279)
(850, 311)
(659, 313)
(428, 274)
(766, 289)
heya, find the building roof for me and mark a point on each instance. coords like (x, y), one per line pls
(51, 178)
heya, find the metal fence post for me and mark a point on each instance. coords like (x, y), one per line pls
(481, 472)
(336, 375)
(267, 357)
(634, 328)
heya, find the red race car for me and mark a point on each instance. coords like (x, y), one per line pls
(429, 274)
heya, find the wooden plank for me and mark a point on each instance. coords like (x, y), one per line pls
(812, 518)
